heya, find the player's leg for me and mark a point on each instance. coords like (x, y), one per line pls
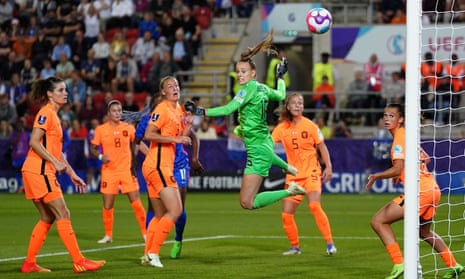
(131, 188)
(321, 219)
(181, 222)
(289, 207)
(381, 224)
(65, 230)
(37, 239)
(108, 217)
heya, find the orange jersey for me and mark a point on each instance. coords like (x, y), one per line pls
(115, 141)
(398, 153)
(170, 122)
(47, 120)
(299, 141)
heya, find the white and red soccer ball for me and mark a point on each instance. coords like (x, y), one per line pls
(319, 20)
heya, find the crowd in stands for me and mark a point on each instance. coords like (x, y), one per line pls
(103, 49)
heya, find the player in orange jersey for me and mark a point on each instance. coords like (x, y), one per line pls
(302, 140)
(116, 140)
(44, 160)
(394, 211)
(169, 125)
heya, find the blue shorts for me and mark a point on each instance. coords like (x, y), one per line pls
(182, 176)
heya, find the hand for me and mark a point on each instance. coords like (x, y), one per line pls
(197, 166)
(189, 106)
(281, 68)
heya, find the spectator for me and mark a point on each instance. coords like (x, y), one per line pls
(143, 49)
(12, 66)
(40, 50)
(455, 70)
(60, 48)
(5, 47)
(323, 126)
(431, 69)
(92, 26)
(168, 66)
(393, 90)
(7, 110)
(67, 115)
(141, 6)
(127, 74)
(18, 95)
(323, 94)
(387, 10)
(5, 129)
(324, 68)
(182, 52)
(71, 26)
(205, 131)
(43, 7)
(177, 9)
(32, 28)
(6, 14)
(91, 110)
(65, 8)
(47, 70)
(19, 143)
(102, 49)
(28, 74)
(78, 49)
(108, 74)
(168, 27)
(90, 70)
(103, 8)
(77, 89)
(64, 69)
(357, 96)
(149, 24)
(121, 14)
(159, 8)
(341, 129)
(149, 74)
(399, 17)
(53, 26)
(77, 131)
(26, 9)
(83, 8)
(129, 102)
(192, 30)
(373, 72)
(118, 46)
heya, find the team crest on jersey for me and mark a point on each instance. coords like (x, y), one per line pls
(397, 151)
(240, 96)
(155, 117)
(125, 133)
(41, 120)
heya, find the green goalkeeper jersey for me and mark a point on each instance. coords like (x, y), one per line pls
(252, 103)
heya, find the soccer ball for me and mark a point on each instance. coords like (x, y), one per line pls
(319, 20)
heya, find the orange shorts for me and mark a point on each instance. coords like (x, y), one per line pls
(41, 187)
(158, 179)
(310, 183)
(430, 195)
(112, 183)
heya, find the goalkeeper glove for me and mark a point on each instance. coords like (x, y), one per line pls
(195, 110)
(281, 68)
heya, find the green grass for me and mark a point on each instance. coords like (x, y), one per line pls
(221, 240)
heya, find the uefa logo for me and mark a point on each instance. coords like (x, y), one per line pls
(396, 44)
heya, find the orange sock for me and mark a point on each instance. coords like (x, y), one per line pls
(162, 230)
(150, 233)
(321, 221)
(67, 236)
(38, 235)
(139, 211)
(290, 228)
(394, 252)
(107, 215)
(448, 258)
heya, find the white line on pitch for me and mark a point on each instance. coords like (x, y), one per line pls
(184, 240)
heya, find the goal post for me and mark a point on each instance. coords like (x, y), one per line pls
(412, 139)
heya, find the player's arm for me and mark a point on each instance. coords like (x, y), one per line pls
(35, 143)
(278, 94)
(77, 181)
(424, 157)
(324, 153)
(393, 172)
(196, 165)
(153, 133)
(227, 109)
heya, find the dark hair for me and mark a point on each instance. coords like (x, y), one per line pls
(399, 107)
(263, 46)
(40, 88)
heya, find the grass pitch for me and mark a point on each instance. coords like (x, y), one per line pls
(222, 240)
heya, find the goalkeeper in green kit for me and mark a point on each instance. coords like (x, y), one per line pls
(252, 101)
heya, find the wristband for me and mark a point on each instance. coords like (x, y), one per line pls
(100, 157)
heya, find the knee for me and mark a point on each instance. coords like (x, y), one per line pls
(314, 206)
(246, 204)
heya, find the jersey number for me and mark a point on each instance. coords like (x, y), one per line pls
(117, 142)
